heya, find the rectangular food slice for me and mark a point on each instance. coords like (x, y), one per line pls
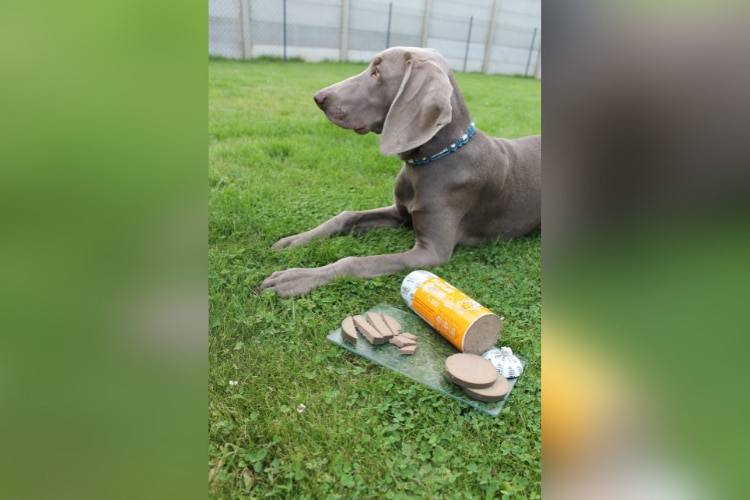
(377, 322)
(392, 323)
(409, 336)
(367, 330)
(409, 349)
(402, 341)
(348, 330)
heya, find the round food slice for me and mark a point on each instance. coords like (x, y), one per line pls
(470, 370)
(495, 392)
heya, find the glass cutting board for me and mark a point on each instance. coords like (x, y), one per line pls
(426, 365)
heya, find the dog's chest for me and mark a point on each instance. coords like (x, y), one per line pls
(420, 188)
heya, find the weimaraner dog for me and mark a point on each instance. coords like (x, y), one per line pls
(457, 186)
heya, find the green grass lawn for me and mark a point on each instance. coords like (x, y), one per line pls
(278, 167)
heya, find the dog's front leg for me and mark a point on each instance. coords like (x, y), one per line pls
(297, 281)
(343, 223)
(434, 246)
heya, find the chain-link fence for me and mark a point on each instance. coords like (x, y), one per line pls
(474, 35)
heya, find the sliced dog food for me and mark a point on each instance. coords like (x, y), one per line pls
(392, 323)
(409, 349)
(470, 370)
(495, 392)
(348, 330)
(376, 320)
(402, 341)
(378, 329)
(369, 332)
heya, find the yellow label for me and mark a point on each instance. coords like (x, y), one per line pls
(450, 311)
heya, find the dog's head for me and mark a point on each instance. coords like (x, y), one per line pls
(404, 94)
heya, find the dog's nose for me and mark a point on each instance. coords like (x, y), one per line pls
(320, 99)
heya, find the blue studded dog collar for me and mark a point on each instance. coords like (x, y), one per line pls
(450, 149)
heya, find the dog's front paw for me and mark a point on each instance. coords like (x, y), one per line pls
(290, 242)
(283, 243)
(293, 282)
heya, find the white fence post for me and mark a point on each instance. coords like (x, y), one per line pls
(490, 37)
(425, 23)
(344, 33)
(247, 39)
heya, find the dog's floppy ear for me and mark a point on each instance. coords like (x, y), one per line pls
(421, 108)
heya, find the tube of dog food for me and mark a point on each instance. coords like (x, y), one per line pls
(463, 321)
